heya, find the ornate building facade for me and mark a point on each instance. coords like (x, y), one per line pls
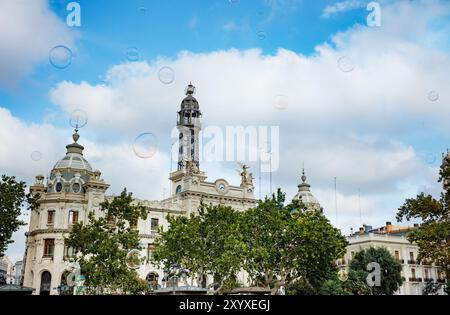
(74, 189)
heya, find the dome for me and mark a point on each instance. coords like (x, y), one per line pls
(306, 197)
(73, 161)
(190, 102)
(71, 172)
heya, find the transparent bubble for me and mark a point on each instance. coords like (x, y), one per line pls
(261, 35)
(166, 75)
(430, 158)
(143, 10)
(36, 156)
(145, 145)
(78, 119)
(433, 96)
(280, 102)
(233, 1)
(295, 214)
(133, 259)
(345, 64)
(60, 57)
(343, 275)
(132, 54)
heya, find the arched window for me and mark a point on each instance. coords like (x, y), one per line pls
(46, 280)
(64, 288)
(152, 280)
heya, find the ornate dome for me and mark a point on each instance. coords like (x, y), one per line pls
(306, 197)
(74, 157)
(71, 172)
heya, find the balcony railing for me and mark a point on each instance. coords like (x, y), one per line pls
(428, 280)
(415, 279)
(402, 261)
(441, 281)
(412, 262)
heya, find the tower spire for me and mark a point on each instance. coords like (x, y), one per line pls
(189, 126)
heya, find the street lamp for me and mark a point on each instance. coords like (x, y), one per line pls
(174, 272)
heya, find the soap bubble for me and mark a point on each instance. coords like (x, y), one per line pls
(433, 96)
(60, 57)
(145, 145)
(166, 75)
(133, 259)
(261, 35)
(343, 275)
(295, 214)
(346, 64)
(132, 54)
(36, 156)
(78, 119)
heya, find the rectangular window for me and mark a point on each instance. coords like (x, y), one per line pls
(49, 247)
(154, 225)
(427, 274)
(68, 252)
(397, 255)
(150, 249)
(413, 273)
(411, 256)
(51, 217)
(352, 254)
(73, 217)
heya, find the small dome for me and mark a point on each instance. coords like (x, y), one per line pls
(190, 101)
(73, 161)
(306, 197)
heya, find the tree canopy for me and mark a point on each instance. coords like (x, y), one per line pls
(101, 246)
(209, 243)
(12, 200)
(433, 235)
(272, 245)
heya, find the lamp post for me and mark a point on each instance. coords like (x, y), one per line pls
(172, 273)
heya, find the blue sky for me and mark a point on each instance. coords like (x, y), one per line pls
(164, 28)
(374, 128)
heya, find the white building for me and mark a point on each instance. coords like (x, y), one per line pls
(6, 269)
(394, 239)
(18, 272)
(74, 189)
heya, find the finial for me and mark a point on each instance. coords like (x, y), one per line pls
(303, 176)
(76, 136)
(190, 89)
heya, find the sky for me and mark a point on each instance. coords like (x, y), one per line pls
(363, 106)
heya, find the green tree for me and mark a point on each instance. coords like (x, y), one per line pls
(333, 287)
(209, 243)
(12, 199)
(285, 244)
(433, 235)
(389, 272)
(101, 246)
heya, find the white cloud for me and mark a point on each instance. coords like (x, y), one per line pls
(230, 26)
(355, 126)
(340, 7)
(28, 31)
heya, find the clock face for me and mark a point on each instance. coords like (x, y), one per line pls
(221, 187)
